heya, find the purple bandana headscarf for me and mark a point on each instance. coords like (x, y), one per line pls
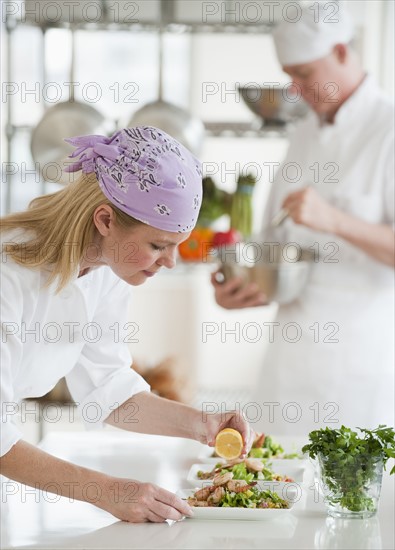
(145, 173)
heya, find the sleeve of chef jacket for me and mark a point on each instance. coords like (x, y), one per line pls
(103, 379)
(11, 353)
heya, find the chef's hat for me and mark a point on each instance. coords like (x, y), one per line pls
(312, 33)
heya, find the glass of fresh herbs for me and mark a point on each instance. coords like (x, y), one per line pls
(351, 467)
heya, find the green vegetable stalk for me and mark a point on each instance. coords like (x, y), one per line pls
(350, 463)
(241, 210)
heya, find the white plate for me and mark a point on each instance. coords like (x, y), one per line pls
(254, 514)
(282, 467)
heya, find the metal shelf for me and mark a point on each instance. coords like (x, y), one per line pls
(213, 129)
(245, 130)
(176, 27)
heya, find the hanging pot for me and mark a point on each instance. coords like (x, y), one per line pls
(177, 122)
(63, 120)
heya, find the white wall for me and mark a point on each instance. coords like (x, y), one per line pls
(374, 21)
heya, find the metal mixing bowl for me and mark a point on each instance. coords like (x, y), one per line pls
(281, 272)
(275, 105)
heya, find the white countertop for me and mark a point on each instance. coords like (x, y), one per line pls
(31, 519)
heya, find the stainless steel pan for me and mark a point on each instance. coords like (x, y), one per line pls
(177, 122)
(66, 119)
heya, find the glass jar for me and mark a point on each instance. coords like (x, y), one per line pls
(351, 485)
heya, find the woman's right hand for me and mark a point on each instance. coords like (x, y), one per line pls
(235, 294)
(137, 502)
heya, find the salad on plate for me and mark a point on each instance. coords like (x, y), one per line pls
(265, 446)
(226, 492)
(247, 469)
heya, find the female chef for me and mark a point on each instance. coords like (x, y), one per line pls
(336, 363)
(67, 265)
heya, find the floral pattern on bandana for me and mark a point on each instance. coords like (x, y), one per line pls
(181, 180)
(162, 209)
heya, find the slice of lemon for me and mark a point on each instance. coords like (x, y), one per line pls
(228, 444)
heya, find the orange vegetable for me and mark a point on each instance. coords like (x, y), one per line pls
(198, 245)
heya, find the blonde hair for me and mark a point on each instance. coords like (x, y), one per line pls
(61, 223)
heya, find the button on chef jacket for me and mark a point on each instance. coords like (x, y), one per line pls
(331, 360)
(79, 333)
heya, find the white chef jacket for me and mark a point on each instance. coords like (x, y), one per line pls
(334, 363)
(79, 333)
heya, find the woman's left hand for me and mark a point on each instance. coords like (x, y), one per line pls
(212, 424)
(307, 207)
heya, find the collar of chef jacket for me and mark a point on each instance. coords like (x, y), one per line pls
(351, 107)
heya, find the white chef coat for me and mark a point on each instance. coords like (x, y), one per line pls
(79, 333)
(334, 364)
